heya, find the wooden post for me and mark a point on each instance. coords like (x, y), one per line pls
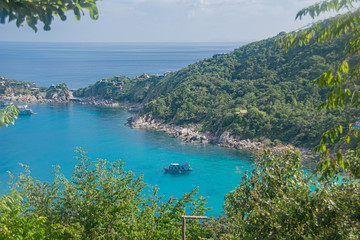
(184, 223)
(183, 228)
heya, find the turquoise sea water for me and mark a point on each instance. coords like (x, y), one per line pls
(50, 137)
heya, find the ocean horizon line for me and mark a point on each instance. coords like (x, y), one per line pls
(139, 42)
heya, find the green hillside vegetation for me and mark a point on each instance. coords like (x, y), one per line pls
(275, 88)
(119, 88)
(256, 91)
(20, 88)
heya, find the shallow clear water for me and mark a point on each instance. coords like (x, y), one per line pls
(50, 137)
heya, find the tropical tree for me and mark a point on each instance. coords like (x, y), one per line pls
(340, 146)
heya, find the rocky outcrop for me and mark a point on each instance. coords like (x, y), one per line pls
(187, 134)
(225, 139)
(24, 98)
(95, 101)
(59, 96)
(28, 98)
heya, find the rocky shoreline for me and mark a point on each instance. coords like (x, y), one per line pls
(61, 99)
(96, 101)
(146, 121)
(29, 99)
(224, 140)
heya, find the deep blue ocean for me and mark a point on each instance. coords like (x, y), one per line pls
(50, 137)
(81, 64)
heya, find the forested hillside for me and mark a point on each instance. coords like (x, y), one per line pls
(256, 91)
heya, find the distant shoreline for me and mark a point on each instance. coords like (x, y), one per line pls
(33, 99)
(186, 134)
(224, 140)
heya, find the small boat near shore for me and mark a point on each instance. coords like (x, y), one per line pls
(178, 168)
(24, 110)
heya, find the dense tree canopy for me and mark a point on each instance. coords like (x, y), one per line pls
(340, 145)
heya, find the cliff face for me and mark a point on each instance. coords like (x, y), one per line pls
(59, 96)
(59, 92)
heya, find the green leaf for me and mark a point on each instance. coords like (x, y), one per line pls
(323, 148)
(344, 67)
(77, 13)
(340, 129)
(340, 160)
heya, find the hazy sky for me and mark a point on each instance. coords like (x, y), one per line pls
(171, 21)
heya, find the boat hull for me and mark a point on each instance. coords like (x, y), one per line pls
(25, 112)
(167, 170)
(178, 168)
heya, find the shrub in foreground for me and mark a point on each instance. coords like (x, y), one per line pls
(278, 200)
(100, 201)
